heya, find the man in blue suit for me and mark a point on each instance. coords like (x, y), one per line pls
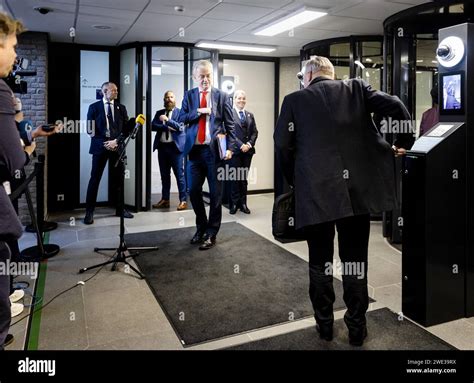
(110, 124)
(169, 141)
(210, 140)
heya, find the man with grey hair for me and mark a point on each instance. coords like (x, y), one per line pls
(342, 170)
(246, 135)
(210, 140)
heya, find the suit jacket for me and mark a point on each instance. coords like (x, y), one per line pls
(221, 119)
(242, 135)
(179, 135)
(330, 150)
(96, 115)
(12, 159)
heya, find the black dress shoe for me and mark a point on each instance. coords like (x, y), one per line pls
(357, 339)
(209, 243)
(198, 238)
(325, 333)
(89, 218)
(233, 209)
(126, 214)
(245, 209)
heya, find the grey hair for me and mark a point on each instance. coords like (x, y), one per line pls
(203, 63)
(238, 92)
(319, 64)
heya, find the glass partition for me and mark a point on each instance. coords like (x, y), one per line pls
(127, 97)
(167, 73)
(339, 54)
(371, 59)
(352, 57)
(94, 72)
(257, 79)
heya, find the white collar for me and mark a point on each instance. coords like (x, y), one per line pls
(105, 101)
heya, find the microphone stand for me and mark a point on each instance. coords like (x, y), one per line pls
(122, 253)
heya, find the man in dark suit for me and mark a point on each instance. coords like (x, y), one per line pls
(208, 113)
(342, 170)
(110, 125)
(169, 141)
(246, 135)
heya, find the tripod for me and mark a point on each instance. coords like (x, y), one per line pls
(122, 253)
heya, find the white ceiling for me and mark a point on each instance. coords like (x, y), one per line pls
(220, 20)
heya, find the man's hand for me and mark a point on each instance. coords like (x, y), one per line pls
(111, 145)
(399, 152)
(19, 117)
(39, 132)
(163, 118)
(245, 148)
(18, 105)
(30, 149)
(228, 155)
(204, 110)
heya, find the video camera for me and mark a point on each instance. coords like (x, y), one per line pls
(14, 81)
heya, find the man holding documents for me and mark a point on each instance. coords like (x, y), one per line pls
(210, 140)
(169, 141)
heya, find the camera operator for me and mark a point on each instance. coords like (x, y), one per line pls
(16, 138)
(12, 160)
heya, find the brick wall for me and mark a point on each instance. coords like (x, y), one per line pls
(34, 47)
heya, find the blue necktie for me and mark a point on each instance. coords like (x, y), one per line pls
(110, 118)
(242, 117)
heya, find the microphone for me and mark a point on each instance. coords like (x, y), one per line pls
(139, 122)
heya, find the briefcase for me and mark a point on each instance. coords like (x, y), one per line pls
(283, 219)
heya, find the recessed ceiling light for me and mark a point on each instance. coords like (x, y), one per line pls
(302, 16)
(419, 61)
(102, 27)
(234, 47)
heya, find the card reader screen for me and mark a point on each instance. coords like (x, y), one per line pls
(439, 130)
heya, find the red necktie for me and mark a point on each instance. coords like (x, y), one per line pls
(202, 120)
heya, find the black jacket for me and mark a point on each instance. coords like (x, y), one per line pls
(242, 135)
(329, 148)
(12, 160)
(97, 120)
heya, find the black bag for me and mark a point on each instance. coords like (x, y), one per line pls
(283, 219)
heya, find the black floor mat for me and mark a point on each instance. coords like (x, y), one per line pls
(385, 332)
(244, 283)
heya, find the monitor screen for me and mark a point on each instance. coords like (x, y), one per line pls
(452, 93)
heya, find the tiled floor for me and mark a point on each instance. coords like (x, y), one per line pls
(116, 310)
